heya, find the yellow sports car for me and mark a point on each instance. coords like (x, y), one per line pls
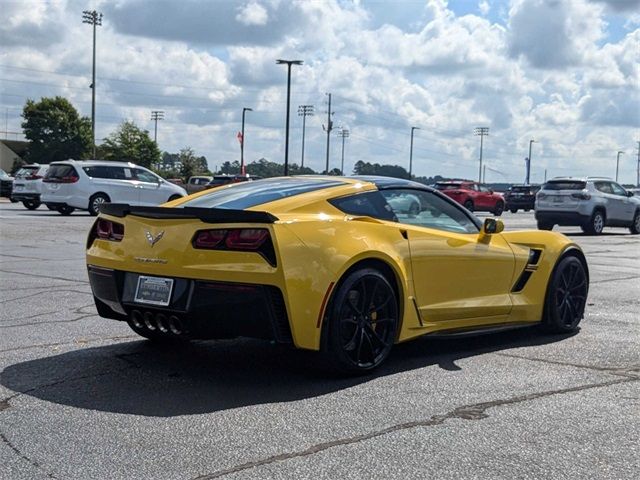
(344, 265)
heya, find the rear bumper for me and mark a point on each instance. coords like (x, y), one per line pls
(206, 309)
(562, 218)
(25, 197)
(517, 202)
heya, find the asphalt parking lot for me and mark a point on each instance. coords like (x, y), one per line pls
(83, 397)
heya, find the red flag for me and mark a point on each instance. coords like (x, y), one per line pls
(239, 137)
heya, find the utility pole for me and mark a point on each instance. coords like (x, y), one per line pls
(93, 18)
(618, 163)
(638, 168)
(304, 111)
(328, 129)
(526, 182)
(242, 169)
(484, 173)
(482, 131)
(545, 175)
(155, 116)
(344, 133)
(288, 63)
(411, 151)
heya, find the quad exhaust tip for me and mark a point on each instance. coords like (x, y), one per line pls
(149, 322)
(175, 325)
(157, 322)
(161, 323)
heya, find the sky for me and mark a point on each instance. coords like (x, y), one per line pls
(565, 73)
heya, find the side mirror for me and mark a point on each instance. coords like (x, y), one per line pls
(629, 194)
(491, 191)
(492, 225)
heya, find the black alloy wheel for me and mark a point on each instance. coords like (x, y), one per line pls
(566, 296)
(95, 201)
(499, 209)
(469, 205)
(31, 204)
(635, 225)
(65, 210)
(362, 322)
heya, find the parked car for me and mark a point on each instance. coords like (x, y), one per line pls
(475, 197)
(27, 185)
(591, 203)
(219, 180)
(197, 183)
(86, 185)
(6, 184)
(215, 260)
(176, 181)
(520, 197)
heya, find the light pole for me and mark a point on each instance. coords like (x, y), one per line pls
(411, 150)
(328, 129)
(93, 18)
(482, 131)
(155, 116)
(304, 111)
(244, 110)
(343, 133)
(526, 182)
(618, 163)
(286, 138)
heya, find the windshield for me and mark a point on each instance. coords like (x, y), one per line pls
(25, 172)
(249, 194)
(565, 185)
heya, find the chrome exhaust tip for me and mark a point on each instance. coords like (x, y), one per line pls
(137, 319)
(161, 323)
(150, 322)
(175, 325)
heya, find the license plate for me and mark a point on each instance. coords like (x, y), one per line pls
(558, 199)
(18, 188)
(154, 290)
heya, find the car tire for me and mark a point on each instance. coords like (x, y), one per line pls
(54, 209)
(31, 204)
(95, 201)
(66, 210)
(527, 209)
(514, 210)
(356, 340)
(499, 209)
(174, 197)
(596, 223)
(635, 225)
(468, 204)
(566, 296)
(545, 226)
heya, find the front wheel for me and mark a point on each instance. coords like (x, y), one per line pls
(468, 205)
(361, 322)
(499, 209)
(95, 202)
(513, 210)
(595, 225)
(566, 296)
(66, 210)
(635, 225)
(545, 226)
(31, 204)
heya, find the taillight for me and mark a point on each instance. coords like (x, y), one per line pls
(69, 179)
(33, 177)
(541, 195)
(108, 230)
(581, 196)
(236, 239)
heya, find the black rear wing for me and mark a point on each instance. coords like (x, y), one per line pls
(207, 215)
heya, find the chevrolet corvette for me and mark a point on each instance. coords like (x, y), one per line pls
(339, 265)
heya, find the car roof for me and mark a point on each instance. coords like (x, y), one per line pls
(96, 163)
(387, 182)
(578, 179)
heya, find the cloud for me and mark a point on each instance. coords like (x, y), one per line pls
(619, 5)
(253, 14)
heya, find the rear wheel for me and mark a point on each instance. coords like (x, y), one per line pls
(362, 322)
(96, 201)
(31, 204)
(514, 210)
(54, 209)
(174, 197)
(499, 209)
(566, 296)
(595, 225)
(469, 205)
(545, 226)
(635, 225)
(65, 210)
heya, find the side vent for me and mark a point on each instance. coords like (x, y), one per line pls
(532, 266)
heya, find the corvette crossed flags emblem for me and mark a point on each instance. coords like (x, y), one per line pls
(153, 240)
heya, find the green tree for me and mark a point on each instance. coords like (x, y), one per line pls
(190, 165)
(366, 168)
(55, 130)
(131, 144)
(230, 168)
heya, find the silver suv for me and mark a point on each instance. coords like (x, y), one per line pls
(589, 202)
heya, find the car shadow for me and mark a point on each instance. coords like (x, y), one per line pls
(143, 378)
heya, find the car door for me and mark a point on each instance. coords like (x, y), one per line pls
(485, 198)
(626, 207)
(118, 183)
(458, 274)
(149, 188)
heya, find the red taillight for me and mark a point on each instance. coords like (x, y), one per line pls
(208, 238)
(236, 239)
(33, 177)
(108, 230)
(69, 179)
(246, 238)
(581, 196)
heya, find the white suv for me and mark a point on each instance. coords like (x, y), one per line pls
(88, 184)
(27, 185)
(591, 203)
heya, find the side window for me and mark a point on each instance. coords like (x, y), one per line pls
(618, 190)
(604, 187)
(367, 204)
(117, 173)
(483, 188)
(426, 209)
(145, 176)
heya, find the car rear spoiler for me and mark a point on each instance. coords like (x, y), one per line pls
(207, 215)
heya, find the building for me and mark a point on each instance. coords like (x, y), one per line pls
(10, 151)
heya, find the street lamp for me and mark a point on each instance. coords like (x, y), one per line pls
(93, 18)
(618, 163)
(244, 110)
(343, 133)
(482, 132)
(526, 182)
(411, 151)
(286, 141)
(304, 111)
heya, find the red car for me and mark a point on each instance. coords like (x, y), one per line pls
(474, 196)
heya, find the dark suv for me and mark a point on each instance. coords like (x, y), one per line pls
(520, 197)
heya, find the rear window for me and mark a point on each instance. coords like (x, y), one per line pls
(27, 172)
(58, 172)
(448, 186)
(239, 196)
(565, 185)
